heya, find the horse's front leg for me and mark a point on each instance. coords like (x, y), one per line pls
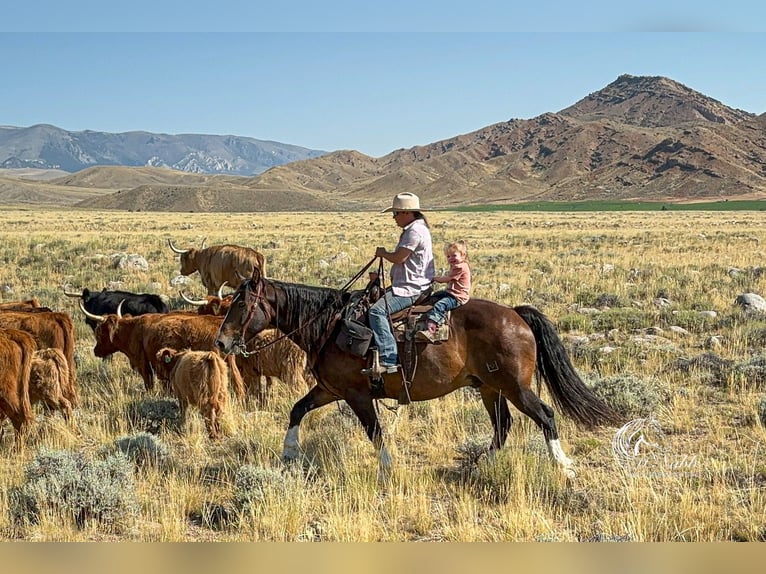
(315, 398)
(360, 402)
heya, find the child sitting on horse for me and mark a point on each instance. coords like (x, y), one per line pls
(458, 281)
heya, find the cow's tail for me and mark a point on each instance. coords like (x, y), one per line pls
(62, 367)
(237, 382)
(569, 392)
(27, 354)
(67, 328)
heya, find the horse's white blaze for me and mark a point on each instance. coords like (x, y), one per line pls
(554, 448)
(291, 449)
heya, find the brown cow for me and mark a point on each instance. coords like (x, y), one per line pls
(48, 379)
(16, 351)
(281, 359)
(51, 330)
(218, 264)
(140, 339)
(197, 378)
(25, 305)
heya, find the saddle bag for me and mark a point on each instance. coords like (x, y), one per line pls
(354, 337)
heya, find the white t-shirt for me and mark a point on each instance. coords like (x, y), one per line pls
(417, 272)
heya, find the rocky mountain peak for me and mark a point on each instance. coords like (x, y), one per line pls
(652, 101)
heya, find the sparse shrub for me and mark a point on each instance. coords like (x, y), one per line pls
(144, 449)
(253, 484)
(154, 415)
(762, 411)
(624, 318)
(751, 372)
(69, 485)
(712, 369)
(608, 300)
(692, 321)
(574, 322)
(629, 395)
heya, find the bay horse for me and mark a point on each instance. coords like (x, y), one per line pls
(492, 347)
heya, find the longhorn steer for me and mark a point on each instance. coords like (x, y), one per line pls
(105, 302)
(219, 264)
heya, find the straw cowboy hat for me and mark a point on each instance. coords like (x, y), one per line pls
(405, 202)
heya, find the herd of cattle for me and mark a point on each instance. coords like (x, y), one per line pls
(37, 344)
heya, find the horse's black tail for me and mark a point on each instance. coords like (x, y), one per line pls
(569, 392)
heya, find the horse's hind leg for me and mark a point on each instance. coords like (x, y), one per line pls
(315, 398)
(497, 407)
(361, 403)
(531, 405)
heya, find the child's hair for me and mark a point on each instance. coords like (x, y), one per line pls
(456, 247)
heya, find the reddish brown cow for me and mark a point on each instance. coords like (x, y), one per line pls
(281, 359)
(218, 264)
(16, 351)
(50, 330)
(140, 339)
(197, 378)
(48, 379)
(25, 305)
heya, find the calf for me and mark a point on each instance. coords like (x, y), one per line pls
(48, 379)
(16, 351)
(198, 378)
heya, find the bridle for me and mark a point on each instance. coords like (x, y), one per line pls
(256, 297)
(253, 299)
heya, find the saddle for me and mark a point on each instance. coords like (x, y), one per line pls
(355, 337)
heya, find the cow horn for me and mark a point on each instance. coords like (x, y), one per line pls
(203, 243)
(192, 301)
(220, 289)
(90, 315)
(175, 249)
(119, 309)
(71, 293)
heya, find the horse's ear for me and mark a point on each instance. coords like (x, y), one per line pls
(256, 275)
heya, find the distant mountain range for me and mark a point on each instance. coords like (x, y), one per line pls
(638, 138)
(48, 147)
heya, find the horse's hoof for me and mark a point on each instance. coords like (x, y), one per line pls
(569, 473)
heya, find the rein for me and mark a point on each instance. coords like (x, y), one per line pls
(253, 300)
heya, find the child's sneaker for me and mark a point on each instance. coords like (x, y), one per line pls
(428, 334)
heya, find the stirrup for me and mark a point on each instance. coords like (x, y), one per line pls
(378, 370)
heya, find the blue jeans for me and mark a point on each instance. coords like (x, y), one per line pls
(445, 303)
(381, 330)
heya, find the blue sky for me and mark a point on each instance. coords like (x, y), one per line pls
(374, 83)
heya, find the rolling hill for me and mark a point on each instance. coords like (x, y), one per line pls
(639, 138)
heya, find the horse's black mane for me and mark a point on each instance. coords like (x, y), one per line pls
(308, 307)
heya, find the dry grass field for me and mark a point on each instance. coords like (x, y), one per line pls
(644, 302)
